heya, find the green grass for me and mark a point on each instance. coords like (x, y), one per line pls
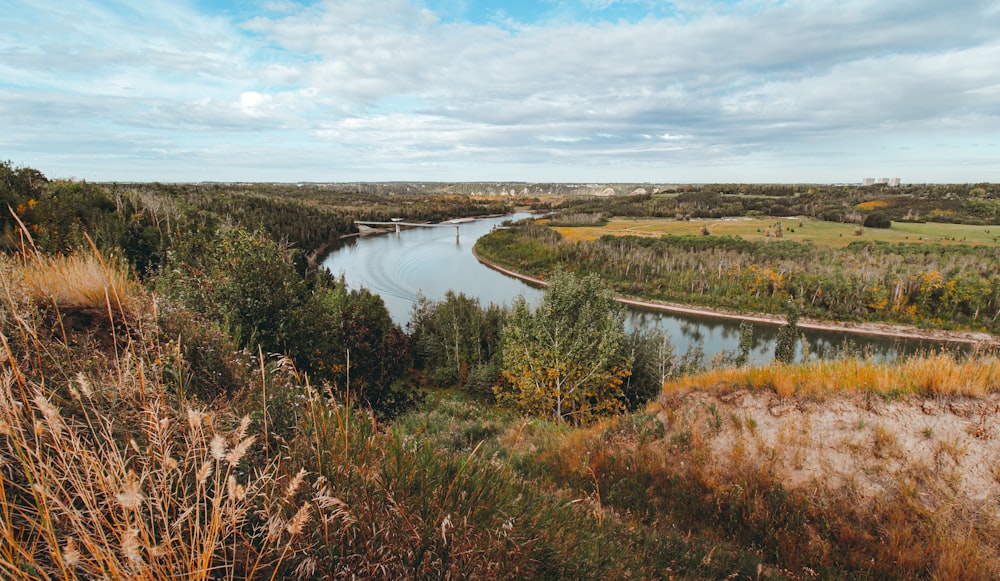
(830, 234)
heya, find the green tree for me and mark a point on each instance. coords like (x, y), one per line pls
(877, 220)
(746, 344)
(788, 334)
(353, 343)
(252, 286)
(653, 362)
(454, 336)
(567, 358)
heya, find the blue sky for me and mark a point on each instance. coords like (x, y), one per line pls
(552, 90)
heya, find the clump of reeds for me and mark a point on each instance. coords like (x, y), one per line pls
(922, 375)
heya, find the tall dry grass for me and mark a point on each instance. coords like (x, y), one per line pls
(80, 281)
(924, 375)
(729, 461)
(82, 497)
(108, 475)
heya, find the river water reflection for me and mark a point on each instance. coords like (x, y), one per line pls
(430, 261)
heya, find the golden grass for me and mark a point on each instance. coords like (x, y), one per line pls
(830, 234)
(105, 475)
(937, 374)
(171, 501)
(79, 281)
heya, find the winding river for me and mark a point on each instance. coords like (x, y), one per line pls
(430, 261)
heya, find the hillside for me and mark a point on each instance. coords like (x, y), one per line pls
(181, 395)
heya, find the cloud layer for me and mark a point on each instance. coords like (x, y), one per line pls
(592, 90)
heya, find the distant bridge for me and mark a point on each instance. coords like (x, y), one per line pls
(398, 223)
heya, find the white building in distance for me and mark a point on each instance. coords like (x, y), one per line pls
(891, 182)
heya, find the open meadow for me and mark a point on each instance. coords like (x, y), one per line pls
(819, 232)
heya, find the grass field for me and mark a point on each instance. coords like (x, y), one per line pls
(834, 234)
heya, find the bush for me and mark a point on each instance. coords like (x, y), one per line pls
(877, 220)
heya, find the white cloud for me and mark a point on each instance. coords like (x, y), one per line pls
(252, 102)
(385, 81)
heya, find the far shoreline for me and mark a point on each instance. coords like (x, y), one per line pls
(973, 338)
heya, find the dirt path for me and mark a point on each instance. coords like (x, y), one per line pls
(873, 329)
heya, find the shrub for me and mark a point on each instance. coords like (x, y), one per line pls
(877, 220)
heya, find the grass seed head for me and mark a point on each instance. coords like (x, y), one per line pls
(218, 447)
(131, 497)
(298, 522)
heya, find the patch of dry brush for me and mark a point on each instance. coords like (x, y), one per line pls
(102, 473)
(892, 470)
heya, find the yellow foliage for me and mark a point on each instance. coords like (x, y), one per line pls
(873, 205)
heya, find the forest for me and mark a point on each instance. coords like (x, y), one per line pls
(185, 393)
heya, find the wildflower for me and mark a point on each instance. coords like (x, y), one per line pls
(195, 418)
(70, 554)
(236, 491)
(130, 545)
(244, 424)
(296, 481)
(51, 413)
(84, 383)
(204, 472)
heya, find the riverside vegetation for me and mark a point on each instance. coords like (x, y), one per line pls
(952, 286)
(183, 395)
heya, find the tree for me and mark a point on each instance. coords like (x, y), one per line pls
(455, 336)
(368, 353)
(788, 334)
(653, 362)
(567, 358)
(338, 335)
(746, 344)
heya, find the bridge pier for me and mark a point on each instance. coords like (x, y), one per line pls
(399, 225)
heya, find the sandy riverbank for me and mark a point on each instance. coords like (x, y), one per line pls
(874, 329)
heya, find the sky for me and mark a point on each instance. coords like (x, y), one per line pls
(689, 91)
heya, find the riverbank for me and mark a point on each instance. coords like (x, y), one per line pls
(983, 340)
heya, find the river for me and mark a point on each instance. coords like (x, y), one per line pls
(430, 261)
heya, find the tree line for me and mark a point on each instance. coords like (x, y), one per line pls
(954, 203)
